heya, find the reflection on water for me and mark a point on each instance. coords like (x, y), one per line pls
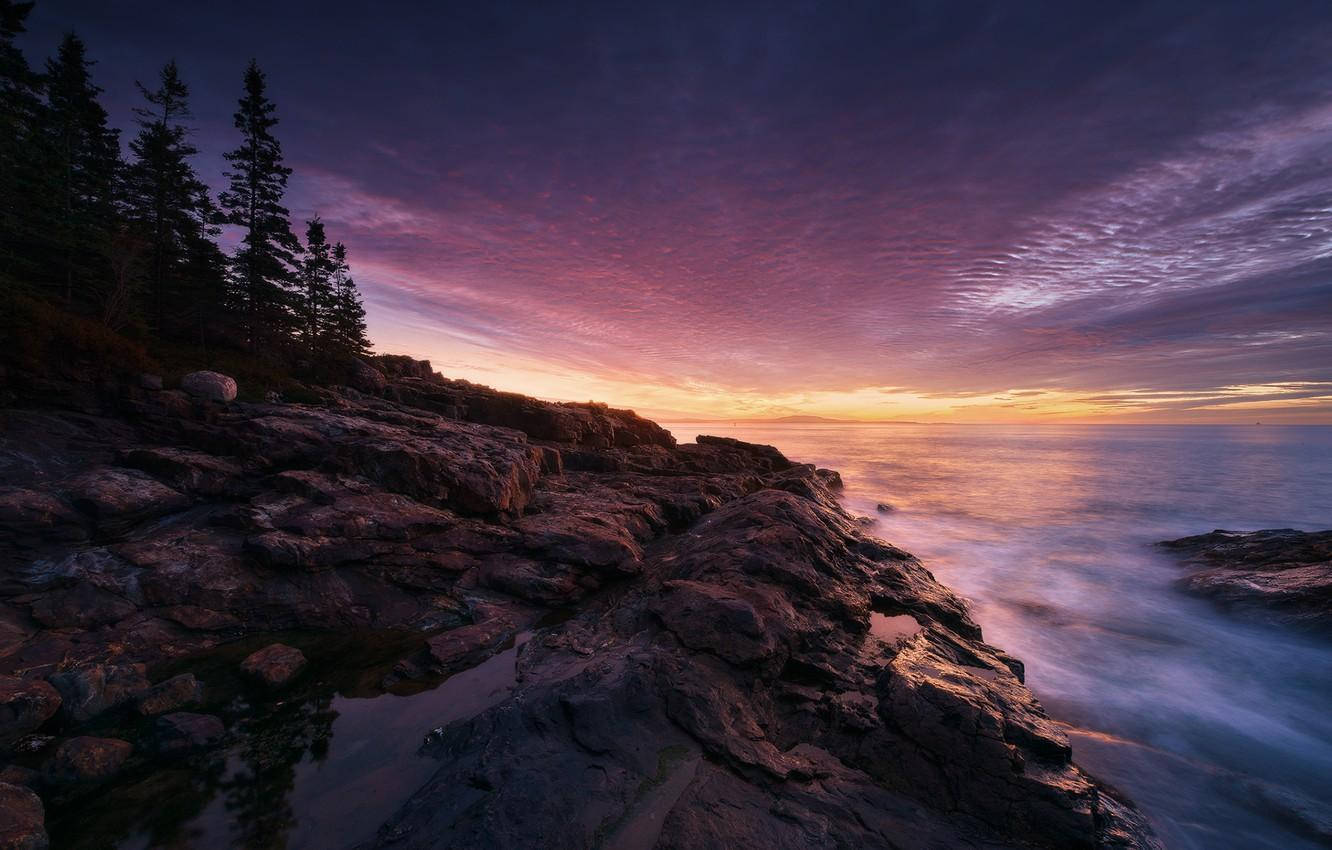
(322, 769)
(1220, 730)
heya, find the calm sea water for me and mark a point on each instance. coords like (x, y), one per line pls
(1220, 730)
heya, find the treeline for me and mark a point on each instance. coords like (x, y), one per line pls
(130, 240)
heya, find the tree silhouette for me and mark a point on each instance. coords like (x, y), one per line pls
(262, 266)
(83, 166)
(168, 206)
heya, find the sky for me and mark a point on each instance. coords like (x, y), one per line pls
(935, 211)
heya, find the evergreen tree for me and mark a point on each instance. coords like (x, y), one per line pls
(20, 107)
(317, 272)
(346, 325)
(82, 170)
(169, 206)
(262, 265)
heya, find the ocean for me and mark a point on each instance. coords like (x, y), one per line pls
(1218, 728)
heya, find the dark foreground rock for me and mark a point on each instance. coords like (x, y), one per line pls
(710, 664)
(22, 819)
(1280, 575)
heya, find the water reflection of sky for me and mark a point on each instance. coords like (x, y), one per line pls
(1219, 729)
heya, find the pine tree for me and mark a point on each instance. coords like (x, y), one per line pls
(20, 107)
(346, 326)
(262, 265)
(82, 170)
(317, 272)
(169, 206)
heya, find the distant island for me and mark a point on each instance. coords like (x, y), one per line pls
(797, 420)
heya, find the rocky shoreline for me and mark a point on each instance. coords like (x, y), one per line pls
(712, 651)
(1277, 575)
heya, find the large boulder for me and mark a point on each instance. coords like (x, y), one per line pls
(25, 704)
(367, 378)
(22, 819)
(209, 386)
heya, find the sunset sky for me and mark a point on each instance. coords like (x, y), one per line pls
(931, 211)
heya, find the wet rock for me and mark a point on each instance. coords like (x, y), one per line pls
(209, 386)
(87, 759)
(182, 732)
(1280, 575)
(454, 650)
(93, 689)
(742, 675)
(274, 665)
(831, 478)
(174, 693)
(884, 508)
(25, 704)
(22, 819)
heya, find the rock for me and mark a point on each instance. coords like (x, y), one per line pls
(182, 732)
(91, 690)
(187, 470)
(25, 704)
(402, 366)
(31, 518)
(87, 759)
(742, 675)
(22, 819)
(274, 665)
(884, 508)
(209, 386)
(32, 744)
(150, 382)
(115, 498)
(831, 478)
(707, 665)
(1279, 575)
(367, 378)
(13, 774)
(83, 606)
(174, 693)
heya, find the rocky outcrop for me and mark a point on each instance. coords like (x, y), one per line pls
(706, 667)
(1279, 575)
